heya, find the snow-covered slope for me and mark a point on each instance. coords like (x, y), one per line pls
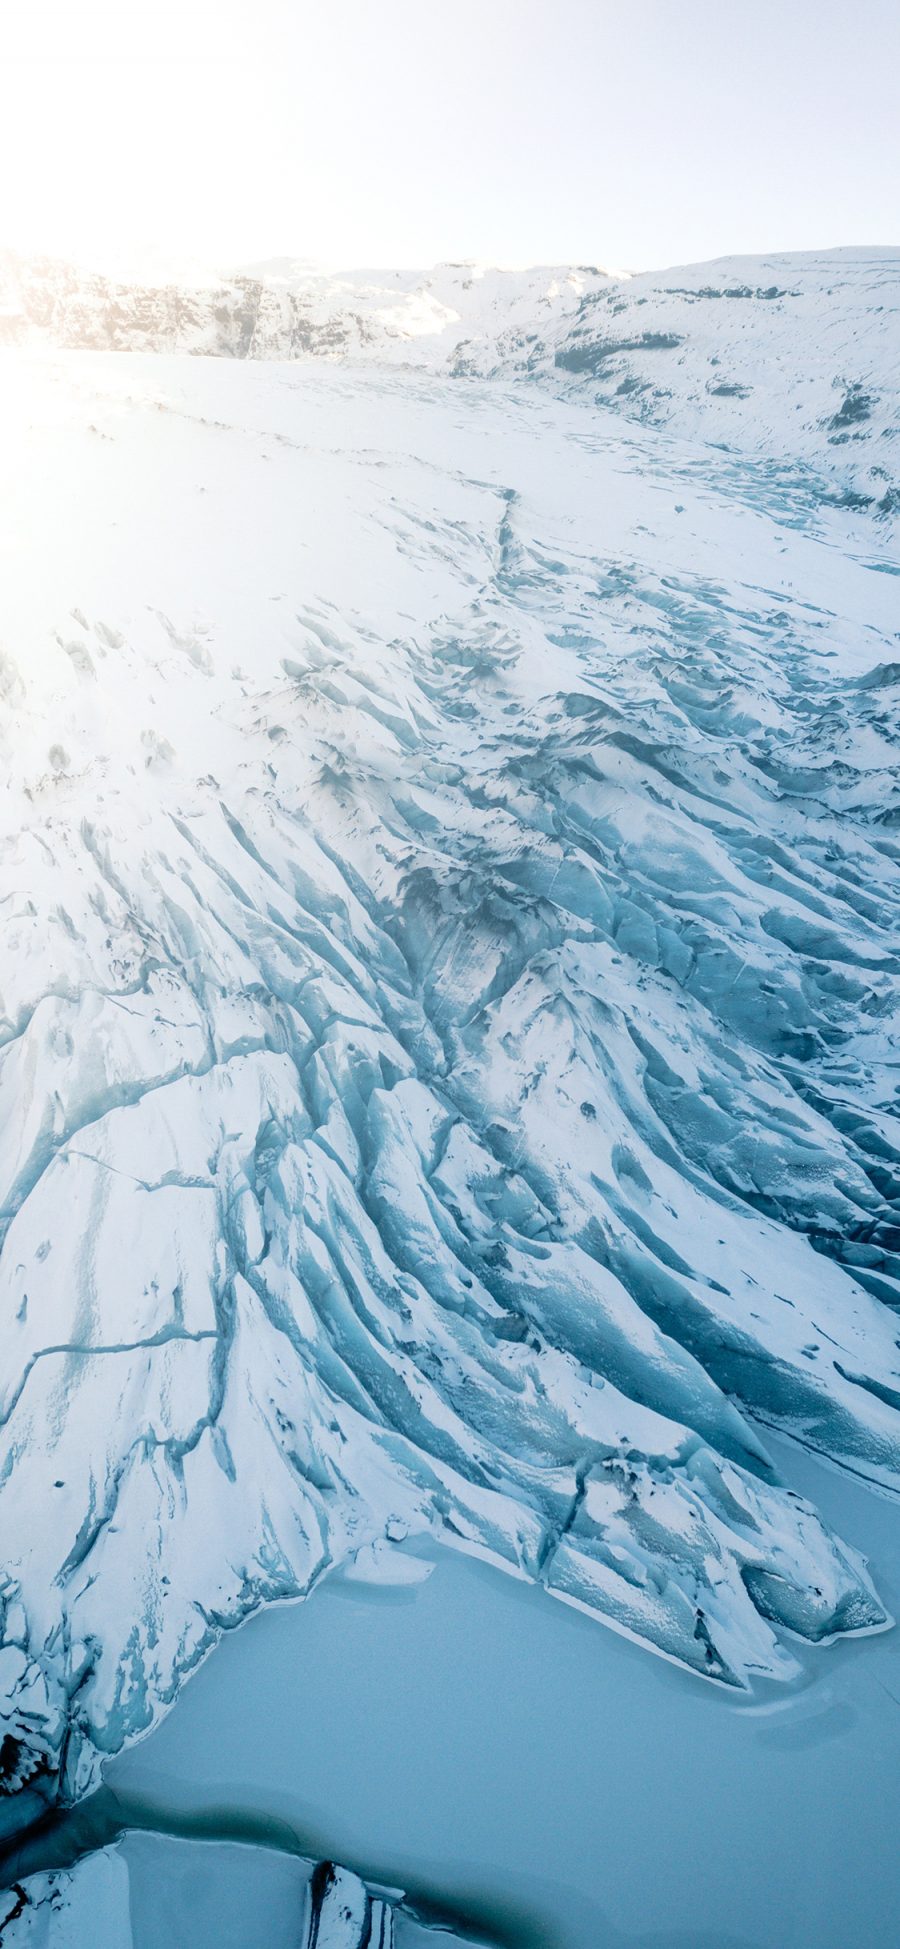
(793, 359)
(449, 965)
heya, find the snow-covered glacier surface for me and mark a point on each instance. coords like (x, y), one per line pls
(793, 358)
(449, 969)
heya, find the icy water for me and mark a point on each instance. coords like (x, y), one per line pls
(538, 1777)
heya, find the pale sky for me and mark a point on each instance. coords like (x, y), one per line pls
(627, 133)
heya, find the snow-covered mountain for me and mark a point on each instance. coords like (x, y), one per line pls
(794, 360)
(449, 973)
(283, 310)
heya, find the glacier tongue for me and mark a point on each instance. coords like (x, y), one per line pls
(449, 969)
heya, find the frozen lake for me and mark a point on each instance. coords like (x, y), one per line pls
(476, 1741)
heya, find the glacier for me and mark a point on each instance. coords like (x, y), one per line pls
(450, 950)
